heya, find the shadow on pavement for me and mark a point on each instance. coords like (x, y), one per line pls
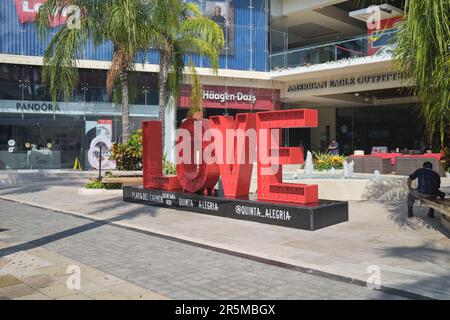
(79, 229)
(423, 253)
(438, 284)
(393, 189)
(51, 238)
(398, 213)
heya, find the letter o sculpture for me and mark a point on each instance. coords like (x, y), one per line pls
(195, 177)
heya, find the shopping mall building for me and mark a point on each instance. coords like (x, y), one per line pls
(279, 54)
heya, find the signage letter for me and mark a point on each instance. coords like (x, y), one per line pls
(270, 184)
(236, 176)
(152, 158)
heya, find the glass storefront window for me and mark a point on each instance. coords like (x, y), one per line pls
(39, 144)
(44, 138)
(362, 128)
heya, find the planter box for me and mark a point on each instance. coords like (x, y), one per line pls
(368, 164)
(406, 165)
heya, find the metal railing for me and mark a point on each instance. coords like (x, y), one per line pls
(363, 46)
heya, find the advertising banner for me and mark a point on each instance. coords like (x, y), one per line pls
(28, 9)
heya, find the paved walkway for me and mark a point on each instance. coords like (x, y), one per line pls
(36, 273)
(45, 243)
(412, 254)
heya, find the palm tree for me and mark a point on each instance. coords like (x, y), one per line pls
(180, 29)
(423, 52)
(125, 23)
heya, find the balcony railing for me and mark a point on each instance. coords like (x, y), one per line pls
(382, 43)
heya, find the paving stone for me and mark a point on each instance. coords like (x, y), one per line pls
(39, 281)
(34, 296)
(16, 291)
(54, 271)
(75, 297)
(105, 279)
(57, 291)
(108, 296)
(8, 280)
(127, 289)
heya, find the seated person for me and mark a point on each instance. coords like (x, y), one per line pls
(429, 183)
(334, 147)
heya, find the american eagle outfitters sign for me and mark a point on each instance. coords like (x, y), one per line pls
(348, 82)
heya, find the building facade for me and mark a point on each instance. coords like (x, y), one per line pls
(337, 56)
(279, 54)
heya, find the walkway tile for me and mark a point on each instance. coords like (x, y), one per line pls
(127, 289)
(41, 274)
(39, 281)
(8, 280)
(34, 296)
(57, 291)
(108, 296)
(16, 291)
(148, 296)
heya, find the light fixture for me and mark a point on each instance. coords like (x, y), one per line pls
(356, 94)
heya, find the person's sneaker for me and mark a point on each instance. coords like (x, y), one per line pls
(431, 213)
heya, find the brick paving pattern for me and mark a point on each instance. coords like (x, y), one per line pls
(168, 268)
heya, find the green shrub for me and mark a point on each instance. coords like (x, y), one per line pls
(128, 156)
(326, 161)
(169, 168)
(97, 184)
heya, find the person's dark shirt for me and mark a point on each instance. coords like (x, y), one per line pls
(220, 20)
(334, 148)
(429, 181)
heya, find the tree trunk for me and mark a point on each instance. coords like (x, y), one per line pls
(125, 107)
(163, 75)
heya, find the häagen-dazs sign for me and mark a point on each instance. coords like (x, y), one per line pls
(366, 81)
(233, 97)
(226, 96)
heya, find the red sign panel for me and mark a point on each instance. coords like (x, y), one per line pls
(242, 98)
(27, 10)
(270, 174)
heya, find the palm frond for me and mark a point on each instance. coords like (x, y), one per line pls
(423, 53)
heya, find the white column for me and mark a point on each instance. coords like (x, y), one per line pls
(170, 127)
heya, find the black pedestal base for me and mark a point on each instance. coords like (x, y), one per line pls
(309, 217)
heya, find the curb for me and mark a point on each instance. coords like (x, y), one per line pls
(93, 192)
(272, 262)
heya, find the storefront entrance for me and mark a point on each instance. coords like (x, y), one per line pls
(394, 127)
(40, 143)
